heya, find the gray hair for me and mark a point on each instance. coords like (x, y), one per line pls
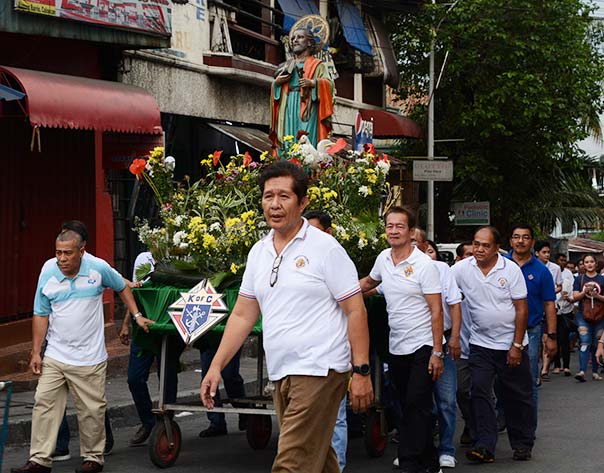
(68, 235)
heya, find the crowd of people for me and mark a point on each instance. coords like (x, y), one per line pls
(480, 336)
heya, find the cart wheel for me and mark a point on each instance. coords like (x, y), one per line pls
(375, 441)
(259, 430)
(161, 453)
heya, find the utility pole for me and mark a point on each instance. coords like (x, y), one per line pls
(430, 222)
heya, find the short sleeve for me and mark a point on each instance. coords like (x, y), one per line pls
(451, 289)
(41, 302)
(111, 278)
(341, 274)
(548, 289)
(577, 284)
(376, 271)
(517, 283)
(559, 279)
(247, 283)
(429, 280)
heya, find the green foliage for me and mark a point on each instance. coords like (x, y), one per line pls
(522, 84)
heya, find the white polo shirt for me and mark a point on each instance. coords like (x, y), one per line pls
(450, 291)
(563, 306)
(76, 334)
(404, 287)
(489, 301)
(305, 330)
(556, 272)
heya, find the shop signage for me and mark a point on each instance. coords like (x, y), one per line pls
(153, 16)
(472, 213)
(430, 170)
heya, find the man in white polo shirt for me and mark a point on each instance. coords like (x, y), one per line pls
(313, 316)
(68, 313)
(495, 295)
(411, 285)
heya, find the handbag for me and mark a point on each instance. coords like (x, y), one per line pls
(592, 309)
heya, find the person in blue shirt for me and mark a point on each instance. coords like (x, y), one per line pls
(541, 299)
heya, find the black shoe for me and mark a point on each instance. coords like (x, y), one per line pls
(466, 439)
(140, 437)
(31, 467)
(60, 455)
(480, 455)
(212, 431)
(89, 467)
(522, 454)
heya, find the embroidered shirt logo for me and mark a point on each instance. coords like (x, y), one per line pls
(91, 281)
(530, 277)
(301, 262)
(408, 270)
(503, 282)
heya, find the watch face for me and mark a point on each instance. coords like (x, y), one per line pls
(362, 369)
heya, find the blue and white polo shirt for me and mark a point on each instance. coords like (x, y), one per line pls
(76, 334)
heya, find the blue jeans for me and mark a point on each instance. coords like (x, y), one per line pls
(64, 434)
(139, 365)
(534, 349)
(588, 333)
(339, 441)
(445, 391)
(233, 384)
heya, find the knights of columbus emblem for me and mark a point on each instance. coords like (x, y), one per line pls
(197, 311)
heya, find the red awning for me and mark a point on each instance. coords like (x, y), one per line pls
(391, 125)
(60, 101)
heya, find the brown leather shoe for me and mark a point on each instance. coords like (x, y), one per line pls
(31, 467)
(89, 467)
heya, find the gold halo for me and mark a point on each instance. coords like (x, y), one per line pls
(315, 24)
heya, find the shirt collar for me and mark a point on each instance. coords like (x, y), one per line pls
(83, 271)
(500, 264)
(269, 238)
(411, 259)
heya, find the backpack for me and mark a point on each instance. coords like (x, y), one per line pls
(593, 309)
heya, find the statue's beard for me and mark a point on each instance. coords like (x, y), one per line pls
(300, 48)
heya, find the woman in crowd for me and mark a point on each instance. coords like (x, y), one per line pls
(587, 290)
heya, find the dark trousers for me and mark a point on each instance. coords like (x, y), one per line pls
(64, 434)
(416, 450)
(563, 341)
(139, 365)
(233, 383)
(516, 396)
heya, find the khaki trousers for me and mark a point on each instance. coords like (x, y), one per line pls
(307, 408)
(87, 387)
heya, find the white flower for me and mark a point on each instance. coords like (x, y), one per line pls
(178, 238)
(170, 163)
(383, 166)
(215, 227)
(362, 243)
(362, 161)
(178, 220)
(364, 191)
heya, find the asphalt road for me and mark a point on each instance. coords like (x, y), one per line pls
(570, 438)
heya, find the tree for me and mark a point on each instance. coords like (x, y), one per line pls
(522, 84)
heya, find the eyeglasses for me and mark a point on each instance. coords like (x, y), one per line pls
(275, 270)
(522, 237)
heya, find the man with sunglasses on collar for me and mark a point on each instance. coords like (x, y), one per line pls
(314, 325)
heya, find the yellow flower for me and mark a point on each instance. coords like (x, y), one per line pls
(245, 178)
(295, 148)
(263, 156)
(231, 222)
(371, 178)
(234, 268)
(208, 241)
(351, 170)
(231, 165)
(288, 138)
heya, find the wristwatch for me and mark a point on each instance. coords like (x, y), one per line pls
(438, 354)
(552, 336)
(137, 315)
(520, 346)
(363, 370)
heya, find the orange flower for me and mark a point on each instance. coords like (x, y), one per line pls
(295, 161)
(216, 158)
(247, 159)
(138, 167)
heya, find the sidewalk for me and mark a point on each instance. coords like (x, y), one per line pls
(119, 401)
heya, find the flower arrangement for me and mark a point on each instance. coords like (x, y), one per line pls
(211, 224)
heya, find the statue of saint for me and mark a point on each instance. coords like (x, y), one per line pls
(302, 94)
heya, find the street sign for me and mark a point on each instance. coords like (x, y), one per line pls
(432, 170)
(472, 213)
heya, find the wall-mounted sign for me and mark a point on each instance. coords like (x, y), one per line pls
(472, 213)
(152, 16)
(430, 170)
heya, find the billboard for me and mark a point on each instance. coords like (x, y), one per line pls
(151, 16)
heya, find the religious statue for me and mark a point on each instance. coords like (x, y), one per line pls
(302, 94)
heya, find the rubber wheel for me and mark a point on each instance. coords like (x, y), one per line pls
(375, 441)
(259, 431)
(160, 452)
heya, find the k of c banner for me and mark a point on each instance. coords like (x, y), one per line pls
(152, 16)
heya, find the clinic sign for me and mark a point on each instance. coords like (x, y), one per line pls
(472, 213)
(151, 16)
(431, 170)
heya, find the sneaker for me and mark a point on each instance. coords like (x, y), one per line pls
(212, 431)
(31, 467)
(60, 455)
(522, 454)
(480, 455)
(140, 437)
(466, 438)
(395, 463)
(447, 461)
(89, 467)
(596, 377)
(580, 376)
